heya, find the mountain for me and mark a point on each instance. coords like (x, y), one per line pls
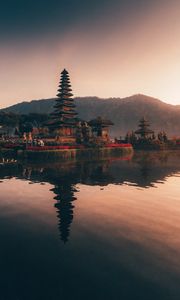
(124, 112)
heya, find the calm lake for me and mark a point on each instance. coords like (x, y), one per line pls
(102, 230)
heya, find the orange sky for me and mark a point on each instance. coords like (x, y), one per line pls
(105, 58)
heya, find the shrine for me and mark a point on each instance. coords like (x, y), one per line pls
(100, 129)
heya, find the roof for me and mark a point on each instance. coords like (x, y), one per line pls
(100, 121)
(144, 131)
(64, 72)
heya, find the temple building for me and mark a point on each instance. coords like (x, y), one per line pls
(64, 117)
(100, 129)
(144, 132)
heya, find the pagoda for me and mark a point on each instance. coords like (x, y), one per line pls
(64, 117)
(144, 130)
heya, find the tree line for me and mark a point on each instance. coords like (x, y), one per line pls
(22, 121)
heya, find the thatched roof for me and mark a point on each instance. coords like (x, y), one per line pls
(99, 121)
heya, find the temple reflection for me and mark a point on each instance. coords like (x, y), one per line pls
(96, 174)
(143, 170)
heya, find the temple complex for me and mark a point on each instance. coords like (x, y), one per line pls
(63, 119)
(62, 135)
(64, 126)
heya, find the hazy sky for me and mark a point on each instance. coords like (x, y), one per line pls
(111, 48)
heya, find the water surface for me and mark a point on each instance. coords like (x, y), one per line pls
(100, 230)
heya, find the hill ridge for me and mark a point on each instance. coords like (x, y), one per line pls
(124, 112)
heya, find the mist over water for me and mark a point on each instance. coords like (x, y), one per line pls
(91, 230)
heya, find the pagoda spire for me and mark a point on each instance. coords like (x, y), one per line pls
(64, 117)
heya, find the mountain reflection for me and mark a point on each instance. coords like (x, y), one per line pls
(143, 170)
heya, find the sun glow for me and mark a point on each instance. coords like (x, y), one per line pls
(108, 58)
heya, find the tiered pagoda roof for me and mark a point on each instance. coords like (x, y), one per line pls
(143, 128)
(64, 114)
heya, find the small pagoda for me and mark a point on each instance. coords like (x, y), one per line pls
(64, 117)
(100, 128)
(144, 132)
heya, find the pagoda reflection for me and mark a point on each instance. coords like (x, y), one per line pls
(64, 206)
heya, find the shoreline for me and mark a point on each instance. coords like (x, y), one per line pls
(68, 154)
